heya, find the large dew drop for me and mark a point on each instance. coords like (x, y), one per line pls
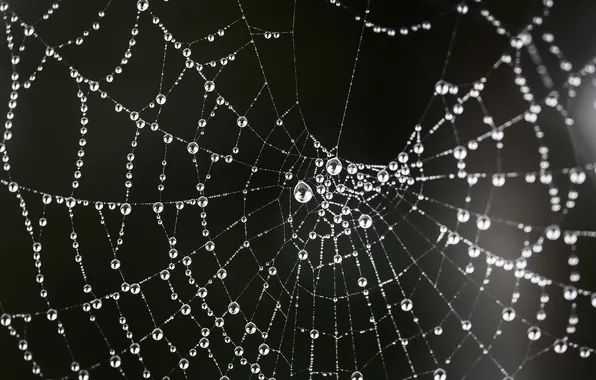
(365, 221)
(302, 192)
(334, 166)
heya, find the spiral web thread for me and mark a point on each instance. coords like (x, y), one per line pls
(336, 217)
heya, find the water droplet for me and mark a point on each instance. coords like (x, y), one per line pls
(463, 216)
(242, 122)
(483, 222)
(115, 361)
(383, 176)
(142, 5)
(334, 166)
(439, 374)
(51, 314)
(460, 152)
(157, 207)
(5, 320)
(209, 86)
(125, 209)
(234, 308)
(157, 334)
(560, 346)
(192, 147)
(160, 99)
(553, 232)
(508, 314)
(365, 221)
(406, 304)
(250, 328)
(534, 333)
(302, 254)
(264, 349)
(303, 192)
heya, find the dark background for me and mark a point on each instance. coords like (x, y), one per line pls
(393, 86)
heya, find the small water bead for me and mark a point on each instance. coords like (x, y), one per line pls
(157, 207)
(570, 293)
(334, 166)
(264, 349)
(483, 222)
(135, 288)
(460, 152)
(463, 216)
(242, 121)
(234, 308)
(204, 343)
(303, 192)
(5, 320)
(362, 281)
(508, 314)
(406, 304)
(383, 176)
(365, 221)
(570, 238)
(222, 273)
(74, 366)
(115, 361)
(202, 201)
(577, 176)
(498, 180)
(466, 325)
(52, 314)
(13, 187)
(192, 147)
(357, 375)
(302, 254)
(157, 334)
(160, 99)
(183, 363)
(314, 334)
(210, 246)
(439, 374)
(186, 309)
(209, 86)
(142, 5)
(125, 209)
(83, 375)
(352, 169)
(534, 333)
(250, 328)
(553, 232)
(560, 346)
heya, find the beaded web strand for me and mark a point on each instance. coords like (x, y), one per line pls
(280, 258)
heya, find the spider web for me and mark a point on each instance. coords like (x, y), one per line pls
(242, 246)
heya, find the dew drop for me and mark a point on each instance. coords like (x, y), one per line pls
(303, 192)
